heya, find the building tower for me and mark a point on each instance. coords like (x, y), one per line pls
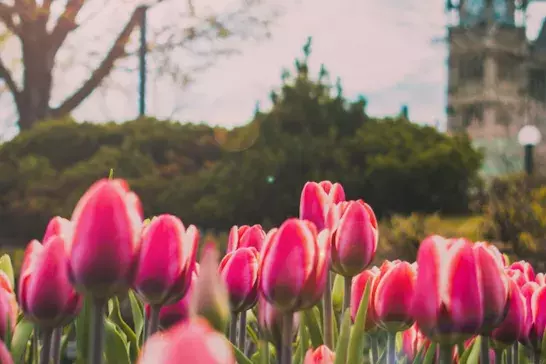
(494, 76)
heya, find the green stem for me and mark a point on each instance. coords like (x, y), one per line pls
(233, 328)
(153, 322)
(509, 355)
(446, 352)
(47, 333)
(375, 349)
(97, 332)
(515, 353)
(347, 293)
(484, 350)
(287, 326)
(327, 313)
(264, 357)
(536, 358)
(391, 348)
(242, 330)
(498, 356)
(56, 345)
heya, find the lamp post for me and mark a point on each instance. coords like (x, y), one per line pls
(528, 137)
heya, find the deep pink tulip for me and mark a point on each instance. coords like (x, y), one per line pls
(527, 291)
(358, 288)
(245, 237)
(103, 253)
(525, 268)
(321, 355)
(316, 199)
(511, 328)
(193, 341)
(538, 303)
(167, 260)
(45, 293)
(294, 265)
(58, 226)
(239, 269)
(354, 241)
(540, 278)
(170, 315)
(494, 285)
(8, 306)
(517, 276)
(270, 321)
(5, 356)
(394, 295)
(414, 341)
(448, 304)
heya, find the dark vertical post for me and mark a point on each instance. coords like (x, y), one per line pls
(529, 159)
(142, 65)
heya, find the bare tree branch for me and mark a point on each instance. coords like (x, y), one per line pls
(26, 9)
(10, 83)
(116, 52)
(6, 15)
(65, 24)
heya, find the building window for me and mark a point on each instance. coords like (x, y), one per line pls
(508, 68)
(472, 114)
(537, 84)
(471, 68)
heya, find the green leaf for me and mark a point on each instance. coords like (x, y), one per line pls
(239, 356)
(115, 348)
(115, 317)
(335, 326)
(137, 309)
(7, 267)
(338, 290)
(431, 354)
(343, 342)
(419, 356)
(83, 327)
(21, 336)
(313, 325)
(472, 354)
(303, 345)
(65, 337)
(252, 334)
(356, 342)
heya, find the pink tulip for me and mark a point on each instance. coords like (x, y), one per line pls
(511, 328)
(193, 341)
(294, 265)
(270, 321)
(413, 341)
(170, 315)
(103, 253)
(316, 199)
(167, 260)
(45, 294)
(354, 240)
(494, 285)
(527, 291)
(322, 355)
(540, 278)
(8, 306)
(245, 237)
(5, 356)
(525, 268)
(448, 303)
(517, 276)
(357, 292)
(239, 269)
(394, 295)
(538, 303)
(58, 226)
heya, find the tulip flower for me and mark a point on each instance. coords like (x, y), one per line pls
(517, 276)
(354, 240)
(540, 278)
(58, 226)
(393, 297)
(494, 285)
(189, 342)
(8, 306)
(167, 260)
(294, 265)
(270, 322)
(357, 292)
(527, 291)
(169, 315)
(316, 199)
(245, 237)
(525, 268)
(322, 355)
(210, 298)
(239, 269)
(511, 328)
(5, 356)
(45, 294)
(536, 332)
(106, 232)
(413, 342)
(448, 303)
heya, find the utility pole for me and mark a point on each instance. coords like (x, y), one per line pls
(142, 65)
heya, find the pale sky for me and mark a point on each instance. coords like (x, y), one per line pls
(390, 51)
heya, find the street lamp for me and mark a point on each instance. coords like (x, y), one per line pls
(528, 137)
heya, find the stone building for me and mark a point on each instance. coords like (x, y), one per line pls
(496, 78)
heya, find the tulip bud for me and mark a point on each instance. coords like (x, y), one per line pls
(525, 268)
(270, 322)
(538, 302)
(371, 277)
(169, 315)
(511, 328)
(246, 237)
(540, 278)
(354, 241)
(413, 341)
(45, 294)
(167, 260)
(294, 265)
(58, 226)
(106, 234)
(393, 297)
(189, 342)
(210, 298)
(8, 306)
(527, 291)
(5, 356)
(239, 270)
(316, 199)
(322, 355)
(516, 275)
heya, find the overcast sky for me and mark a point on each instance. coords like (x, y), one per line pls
(387, 50)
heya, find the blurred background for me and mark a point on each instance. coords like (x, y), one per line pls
(219, 111)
